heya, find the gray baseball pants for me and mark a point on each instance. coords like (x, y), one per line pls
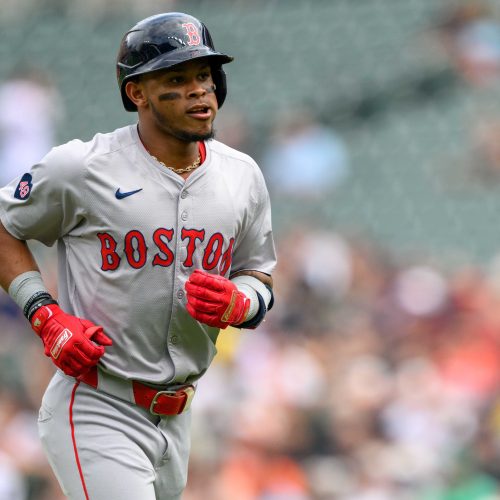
(104, 448)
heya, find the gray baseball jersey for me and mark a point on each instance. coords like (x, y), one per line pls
(130, 232)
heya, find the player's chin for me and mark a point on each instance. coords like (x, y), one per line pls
(199, 134)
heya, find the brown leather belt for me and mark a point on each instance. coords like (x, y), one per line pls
(158, 402)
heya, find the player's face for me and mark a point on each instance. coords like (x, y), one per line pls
(181, 101)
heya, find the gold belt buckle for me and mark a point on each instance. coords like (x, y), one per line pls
(188, 390)
(155, 400)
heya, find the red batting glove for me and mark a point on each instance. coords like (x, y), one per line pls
(215, 300)
(70, 342)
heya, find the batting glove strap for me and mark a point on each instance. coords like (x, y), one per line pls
(36, 301)
(41, 315)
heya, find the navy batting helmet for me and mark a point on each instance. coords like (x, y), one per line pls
(162, 41)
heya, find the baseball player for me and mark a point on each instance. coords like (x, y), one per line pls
(164, 237)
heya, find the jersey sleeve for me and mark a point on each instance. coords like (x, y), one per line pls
(254, 249)
(48, 201)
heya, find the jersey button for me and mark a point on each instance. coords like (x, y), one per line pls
(184, 215)
(174, 339)
(184, 194)
(180, 294)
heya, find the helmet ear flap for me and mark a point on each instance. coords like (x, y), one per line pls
(127, 103)
(219, 78)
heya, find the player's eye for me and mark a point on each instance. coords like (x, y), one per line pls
(176, 79)
(204, 75)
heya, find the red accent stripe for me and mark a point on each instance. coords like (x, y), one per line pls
(77, 458)
(202, 149)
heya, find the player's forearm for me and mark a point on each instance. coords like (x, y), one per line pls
(15, 258)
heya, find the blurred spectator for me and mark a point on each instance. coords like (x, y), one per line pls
(318, 265)
(305, 159)
(249, 473)
(12, 486)
(471, 38)
(30, 107)
(484, 159)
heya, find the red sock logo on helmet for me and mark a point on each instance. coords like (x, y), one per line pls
(192, 33)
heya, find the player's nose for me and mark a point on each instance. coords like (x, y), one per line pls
(197, 89)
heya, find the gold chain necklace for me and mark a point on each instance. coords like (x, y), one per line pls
(189, 168)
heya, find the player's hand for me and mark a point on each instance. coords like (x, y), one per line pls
(71, 342)
(215, 300)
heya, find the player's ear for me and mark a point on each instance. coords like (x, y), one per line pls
(135, 92)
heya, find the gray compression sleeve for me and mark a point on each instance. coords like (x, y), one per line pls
(25, 286)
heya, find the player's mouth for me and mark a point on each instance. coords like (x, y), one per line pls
(200, 111)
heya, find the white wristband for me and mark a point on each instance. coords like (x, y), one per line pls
(250, 286)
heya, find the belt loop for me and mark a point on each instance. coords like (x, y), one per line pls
(189, 390)
(116, 386)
